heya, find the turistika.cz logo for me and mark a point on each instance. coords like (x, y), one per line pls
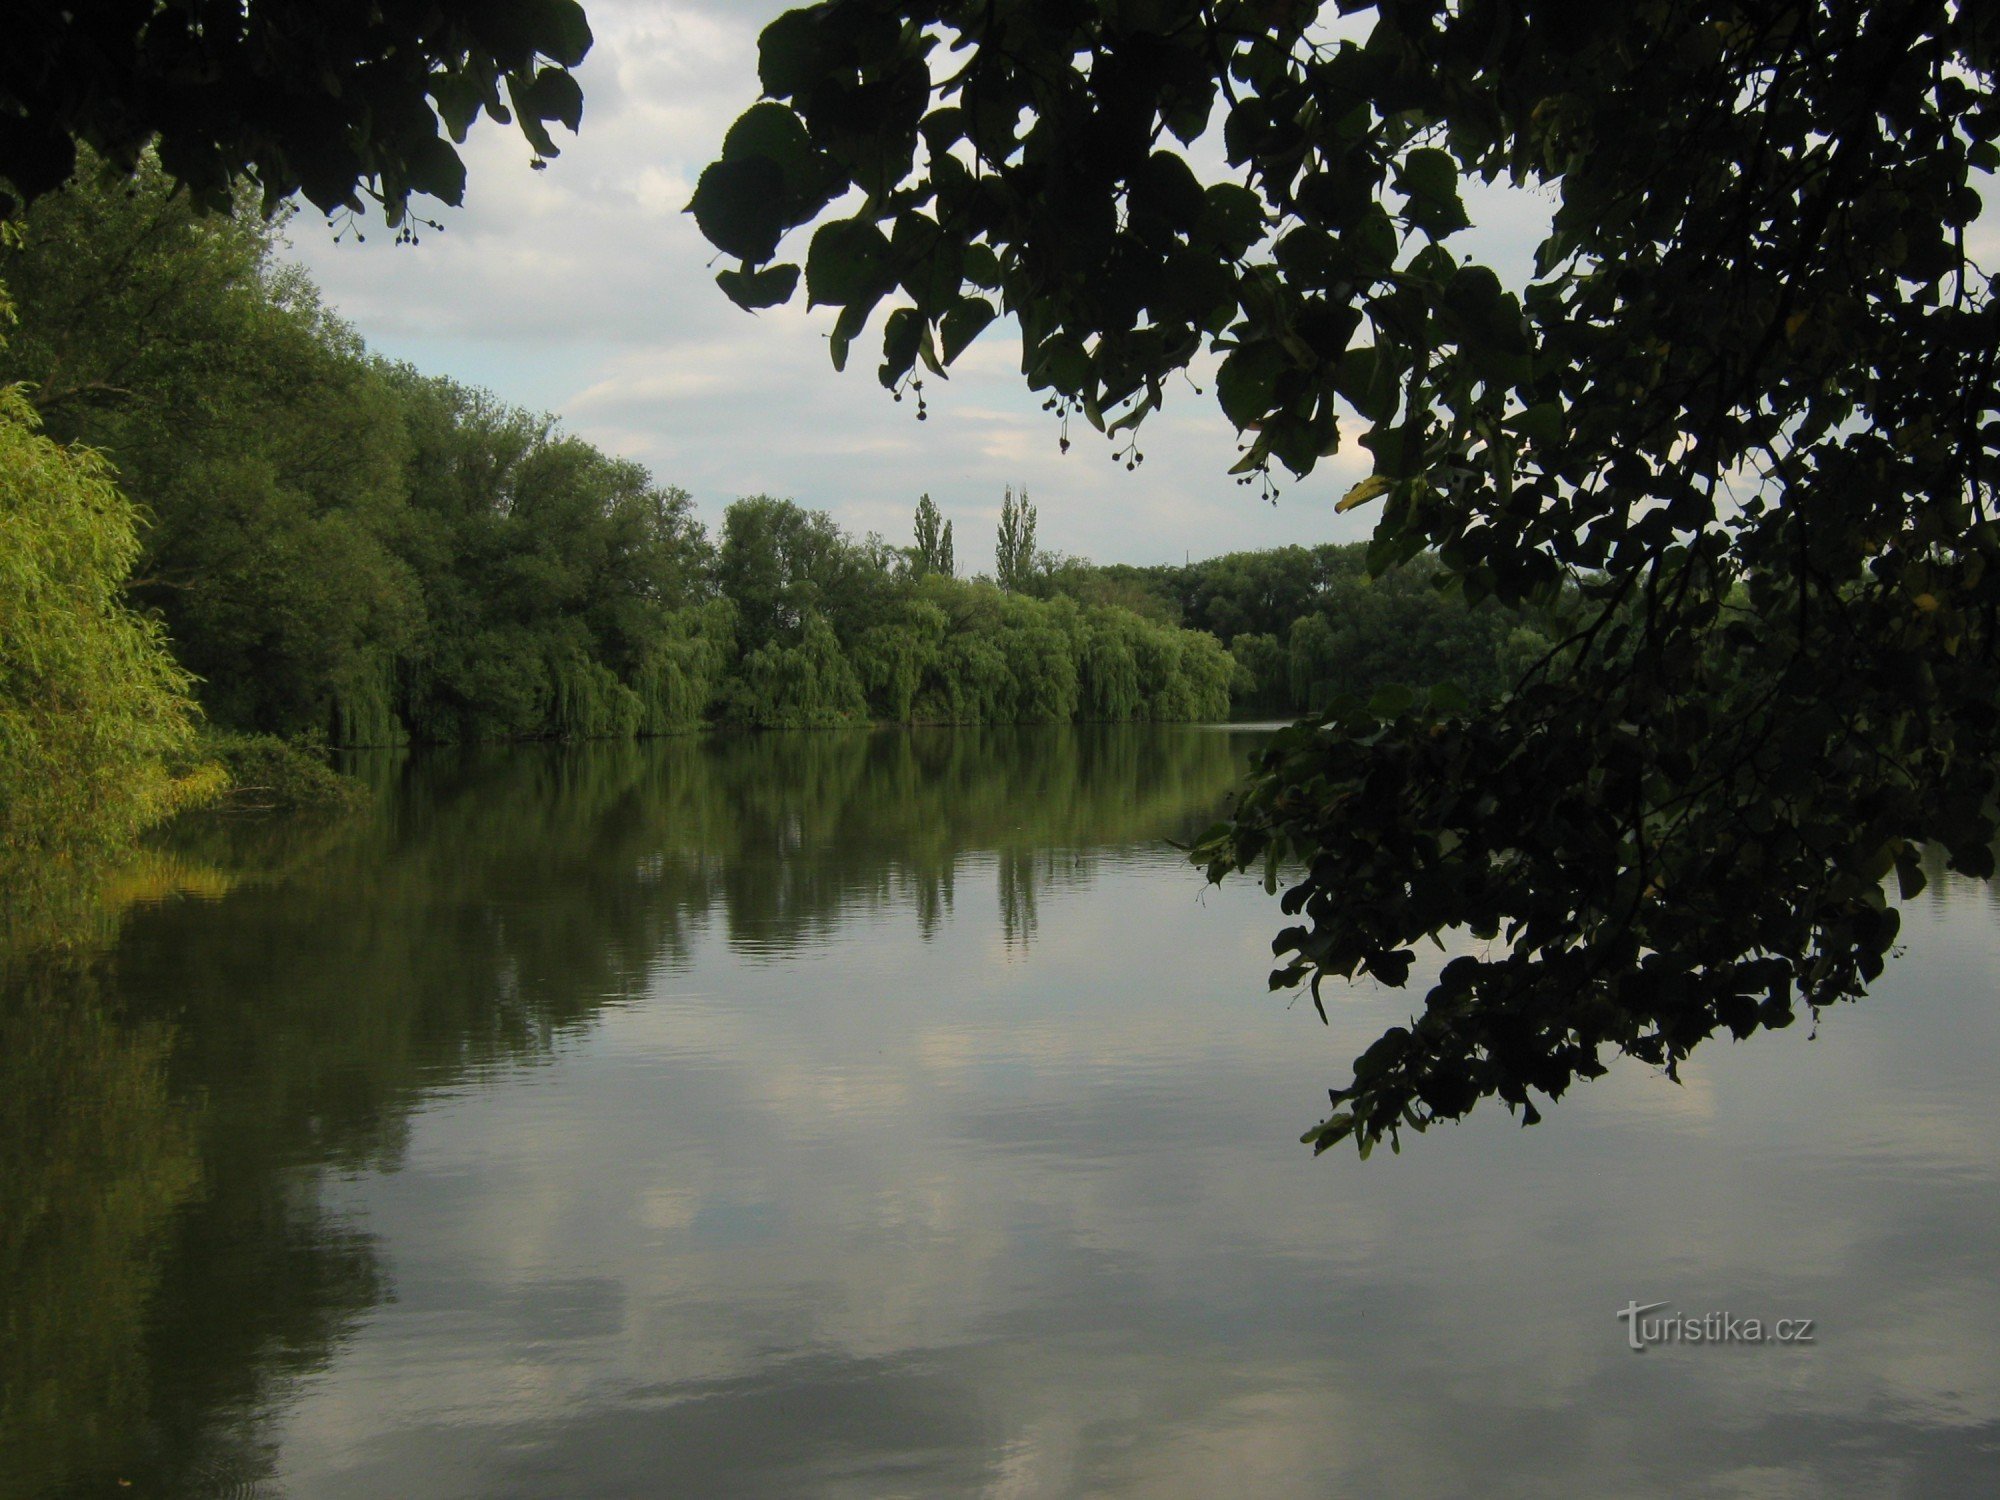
(1642, 1332)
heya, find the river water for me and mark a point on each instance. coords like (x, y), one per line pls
(888, 1114)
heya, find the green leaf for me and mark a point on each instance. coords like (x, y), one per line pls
(846, 328)
(554, 95)
(521, 93)
(436, 169)
(1371, 242)
(982, 266)
(1541, 424)
(848, 262)
(738, 206)
(1060, 362)
(789, 54)
(962, 324)
(1391, 701)
(1449, 698)
(769, 130)
(751, 290)
(1910, 877)
(1368, 381)
(1429, 178)
(1232, 218)
(1166, 185)
(1428, 173)
(1247, 384)
(1393, 450)
(901, 336)
(458, 101)
(1392, 968)
(565, 32)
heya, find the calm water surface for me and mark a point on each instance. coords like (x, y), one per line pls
(884, 1114)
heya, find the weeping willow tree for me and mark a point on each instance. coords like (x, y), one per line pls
(588, 700)
(364, 706)
(681, 675)
(896, 657)
(96, 723)
(806, 685)
(1110, 669)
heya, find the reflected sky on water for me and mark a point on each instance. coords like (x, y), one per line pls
(898, 1115)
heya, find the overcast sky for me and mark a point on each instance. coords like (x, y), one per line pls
(585, 290)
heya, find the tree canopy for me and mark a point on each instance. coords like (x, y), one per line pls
(335, 99)
(96, 725)
(348, 550)
(1737, 427)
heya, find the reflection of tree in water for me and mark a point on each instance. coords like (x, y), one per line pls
(931, 895)
(1940, 880)
(169, 1109)
(94, 1158)
(1018, 918)
(818, 828)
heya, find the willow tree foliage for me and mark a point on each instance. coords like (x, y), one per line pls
(1738, 423)
(833, 631)
(96, 725)
(352, 549)
(342, 547)
(247, 421)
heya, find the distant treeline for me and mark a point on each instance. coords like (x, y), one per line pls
(344, 547)
(1307, 624)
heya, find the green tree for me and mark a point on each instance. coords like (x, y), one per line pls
(245, 419)
(96, 725)
(564, 590)
(1736, 427)
(1266, 669)
(933, 550)
(780, 562)
(1014, 547)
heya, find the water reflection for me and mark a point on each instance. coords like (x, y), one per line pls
(889, 1114)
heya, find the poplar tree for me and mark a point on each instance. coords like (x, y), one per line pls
(1014, 552)
(932, 546)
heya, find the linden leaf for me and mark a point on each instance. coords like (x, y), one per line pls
(1371, 488)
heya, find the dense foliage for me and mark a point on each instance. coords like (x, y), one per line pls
(1309, 625)
(351, 551)
(96, 727)
(1738, 424)
(335, 101)
(345, 552)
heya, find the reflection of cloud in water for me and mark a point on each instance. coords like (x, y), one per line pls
(1057, 1195)
(830, 1181)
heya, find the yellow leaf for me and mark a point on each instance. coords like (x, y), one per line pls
(1371, 488)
